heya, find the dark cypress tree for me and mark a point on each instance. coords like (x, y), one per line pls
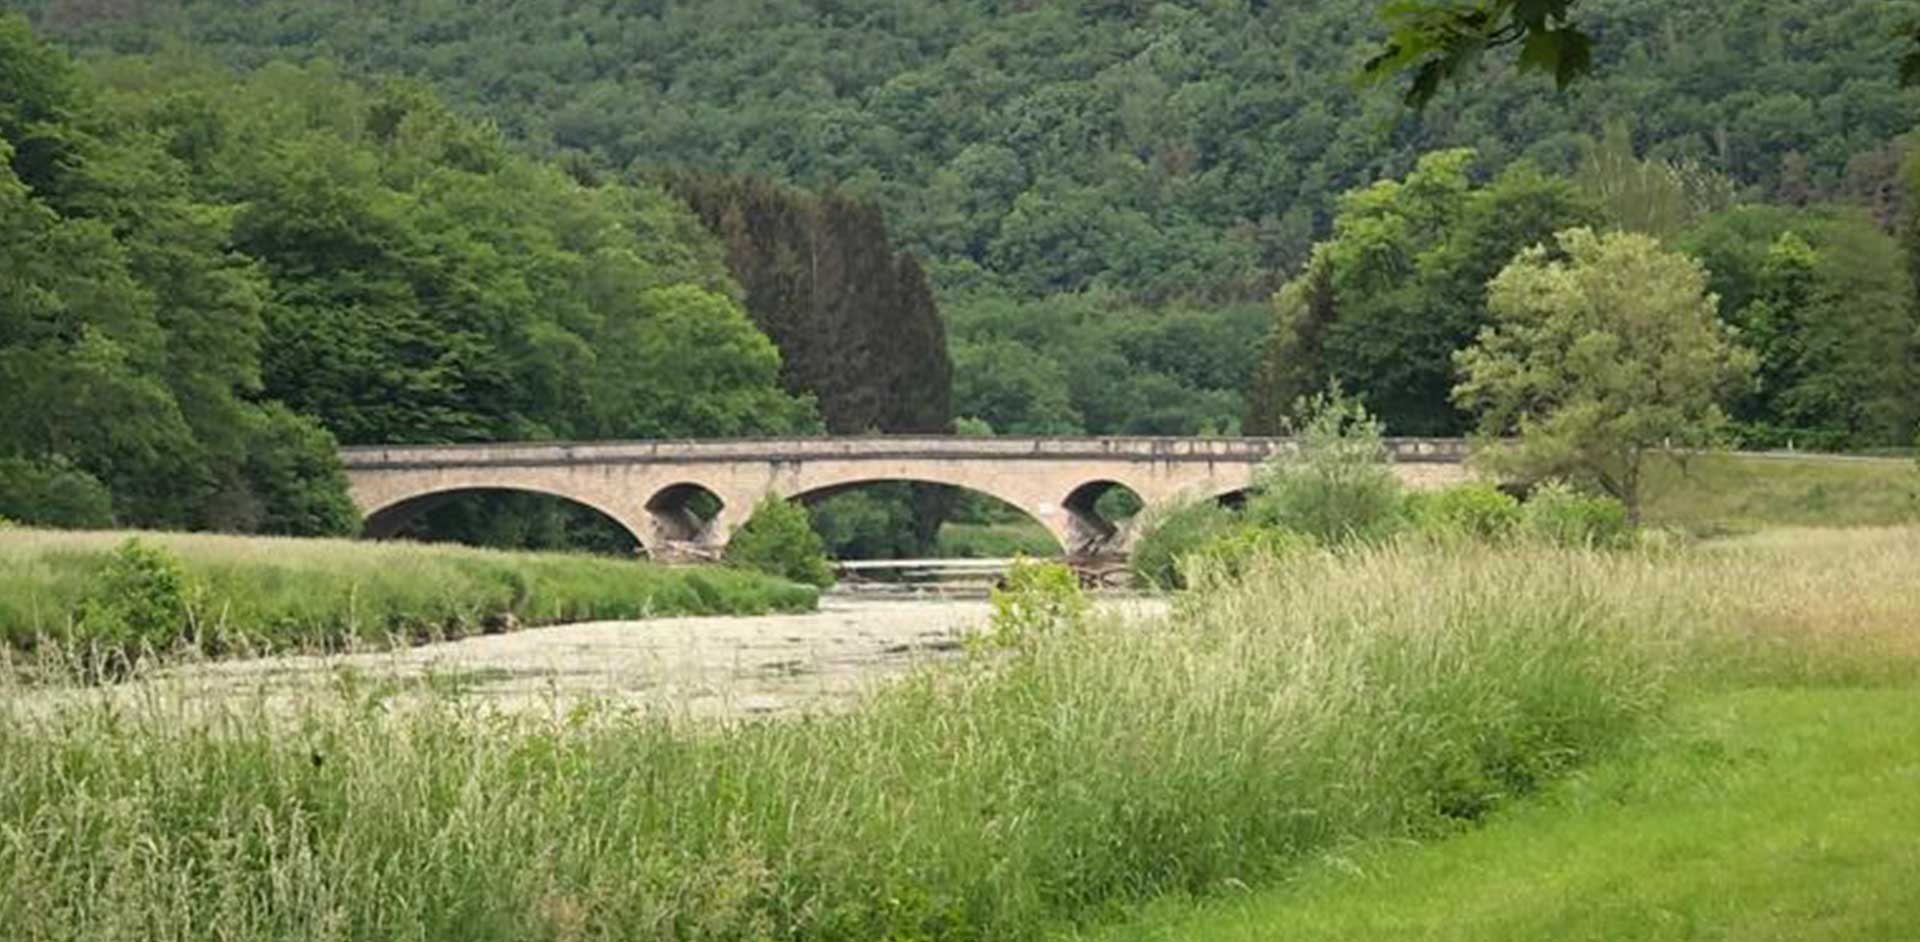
(855, 321)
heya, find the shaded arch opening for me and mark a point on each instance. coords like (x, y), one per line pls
(685, 513)
(884, 519)
(504, 518)
(1235, 500)
(1102, 515)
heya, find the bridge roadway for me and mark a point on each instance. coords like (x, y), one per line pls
(654, 488)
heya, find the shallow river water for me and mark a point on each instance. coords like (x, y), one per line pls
(708, 666)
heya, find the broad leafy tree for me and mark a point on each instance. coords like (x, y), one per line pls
(1603, 352)
(1382, 306)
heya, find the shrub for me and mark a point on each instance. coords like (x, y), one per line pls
(1036, 599)
(1476, 511)
(1558, 514)
(778, 540)
(1339, 485)
(139, 603)
(53, 494)
(1171, 531)
(1229, 555)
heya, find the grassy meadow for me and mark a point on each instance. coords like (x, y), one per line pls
(1320, 705)
(1733, 493)
(228, 593)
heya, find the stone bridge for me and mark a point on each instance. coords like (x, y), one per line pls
(654, 488)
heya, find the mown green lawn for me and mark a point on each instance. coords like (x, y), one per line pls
(1767, 815)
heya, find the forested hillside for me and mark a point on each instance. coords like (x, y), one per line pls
(208, 279)
(1161, 149)
(1085, 179)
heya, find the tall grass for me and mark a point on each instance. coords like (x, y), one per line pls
(1402, 690)
(275, 593)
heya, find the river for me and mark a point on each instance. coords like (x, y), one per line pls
(704, 666)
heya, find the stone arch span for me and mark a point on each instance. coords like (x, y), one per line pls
(1093, 533)
(385, 521)
(1064, 506)
(1041, 477)
(1031, 510)
(685, 516)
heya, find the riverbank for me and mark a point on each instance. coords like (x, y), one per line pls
(1326, 701)
(130, 595)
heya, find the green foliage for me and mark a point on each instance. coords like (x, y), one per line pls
(778, 539)
(53, 494)
(854, 320)
(519, 520)
(874, 522)
(1095, 364)
(1557, 513)
(110, 598)
(995, 540)
(1597, 361)
(1170, 532)
(139, 604)
(1337, 486)
(1237, 553)
(1159, 151)
(1401, 285)
(1821, 298)
(1659, 197)
(205, 279)
(1036, 599)
(968, 426)
(294, 478)
(1472, 511)
(1437, 43)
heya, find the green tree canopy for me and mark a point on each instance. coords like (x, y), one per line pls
(207, 278)
(1822, 297)
(1598, 356)
(1382, 306)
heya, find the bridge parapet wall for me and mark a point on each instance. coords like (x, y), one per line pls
(1237, 450)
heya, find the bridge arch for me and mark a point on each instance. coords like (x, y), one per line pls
(687, 512)
(1093, 531)
(385, 521)
(1021, 499)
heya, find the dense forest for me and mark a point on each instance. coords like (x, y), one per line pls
(1108, 216)
(1082, 178)
(209, 279)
